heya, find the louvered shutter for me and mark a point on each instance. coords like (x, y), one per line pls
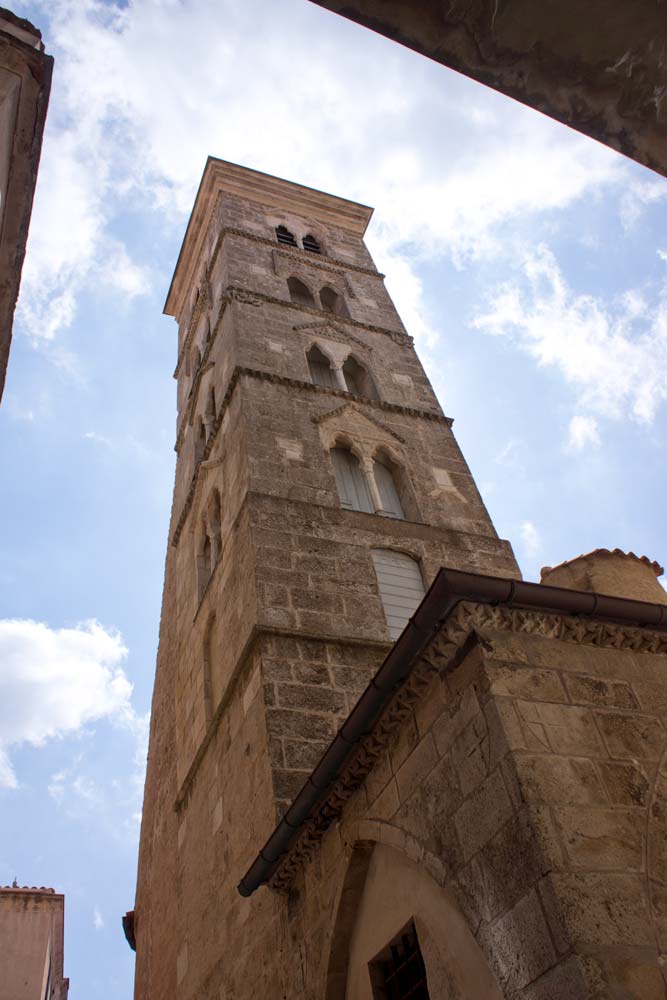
(352, 489)
(401, 587)
(320, 369)
(391, 502)
(322, 374)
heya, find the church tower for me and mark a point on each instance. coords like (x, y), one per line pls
(319, 488)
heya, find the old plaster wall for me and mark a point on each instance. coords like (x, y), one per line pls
(31, 943)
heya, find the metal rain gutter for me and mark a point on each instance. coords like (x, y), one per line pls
(448, 589)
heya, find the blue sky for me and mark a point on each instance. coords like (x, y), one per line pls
(529, 263)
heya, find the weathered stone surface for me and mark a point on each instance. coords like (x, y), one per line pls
(636, 736)
(556, 60)
(499, 804)
(519, 945)
(482, 814)
(601, 839)
(562, 780)
(626, 782)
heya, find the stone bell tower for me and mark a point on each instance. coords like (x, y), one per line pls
(318, 490)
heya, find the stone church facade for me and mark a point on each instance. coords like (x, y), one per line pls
(368, 776)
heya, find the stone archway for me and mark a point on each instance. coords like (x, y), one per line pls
(382, 891)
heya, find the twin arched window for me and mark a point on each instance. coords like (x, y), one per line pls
(332, 302)
(309, 242)
(210, 542)
(200, 441)
(372, 490)
(205, 425)
(350, 377)
(321, 372)
(284, 236)
(300, 293)
(329, 300)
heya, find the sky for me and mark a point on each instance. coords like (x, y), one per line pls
(529, 263)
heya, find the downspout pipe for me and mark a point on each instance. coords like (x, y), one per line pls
(448, 589)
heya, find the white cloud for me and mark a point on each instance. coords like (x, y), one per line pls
(55, 681)
(447, 164)
(530, 538)
(16, 410)
(637, 196)
(581, 432)
(614, 354)
(100, 439)
(98, 920)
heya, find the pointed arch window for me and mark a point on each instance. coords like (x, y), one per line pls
(357, 379)
(200, 441)
(300, 293)
(210, 411)
(204, 566)
(310, 243)
(401, 587)
(215, 526)
(351, 484)
(389, 495)
(321, 372)
(284, 236)
(332, 302)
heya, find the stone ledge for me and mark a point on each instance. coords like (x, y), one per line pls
(321, 260)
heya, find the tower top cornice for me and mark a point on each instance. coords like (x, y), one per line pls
(222, 176)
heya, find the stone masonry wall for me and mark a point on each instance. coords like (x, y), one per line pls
(526, 782)
(530, 783)
(261, 662)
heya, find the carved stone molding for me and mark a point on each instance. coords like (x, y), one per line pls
(202, 301)
(329, 331)
(323, 261)
(396, 335)
(204, 366)
(466, 620)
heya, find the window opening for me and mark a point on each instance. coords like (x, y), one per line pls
(298, 292)
(321, 372)
(400, 585)
(332, 302)
(210, 412)
(200, 443)
(399, 973)
(215, 527)
(357, 379)
(283, 235)
(310, 243)
(353, 491)
(204, 566)
(391, 501)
